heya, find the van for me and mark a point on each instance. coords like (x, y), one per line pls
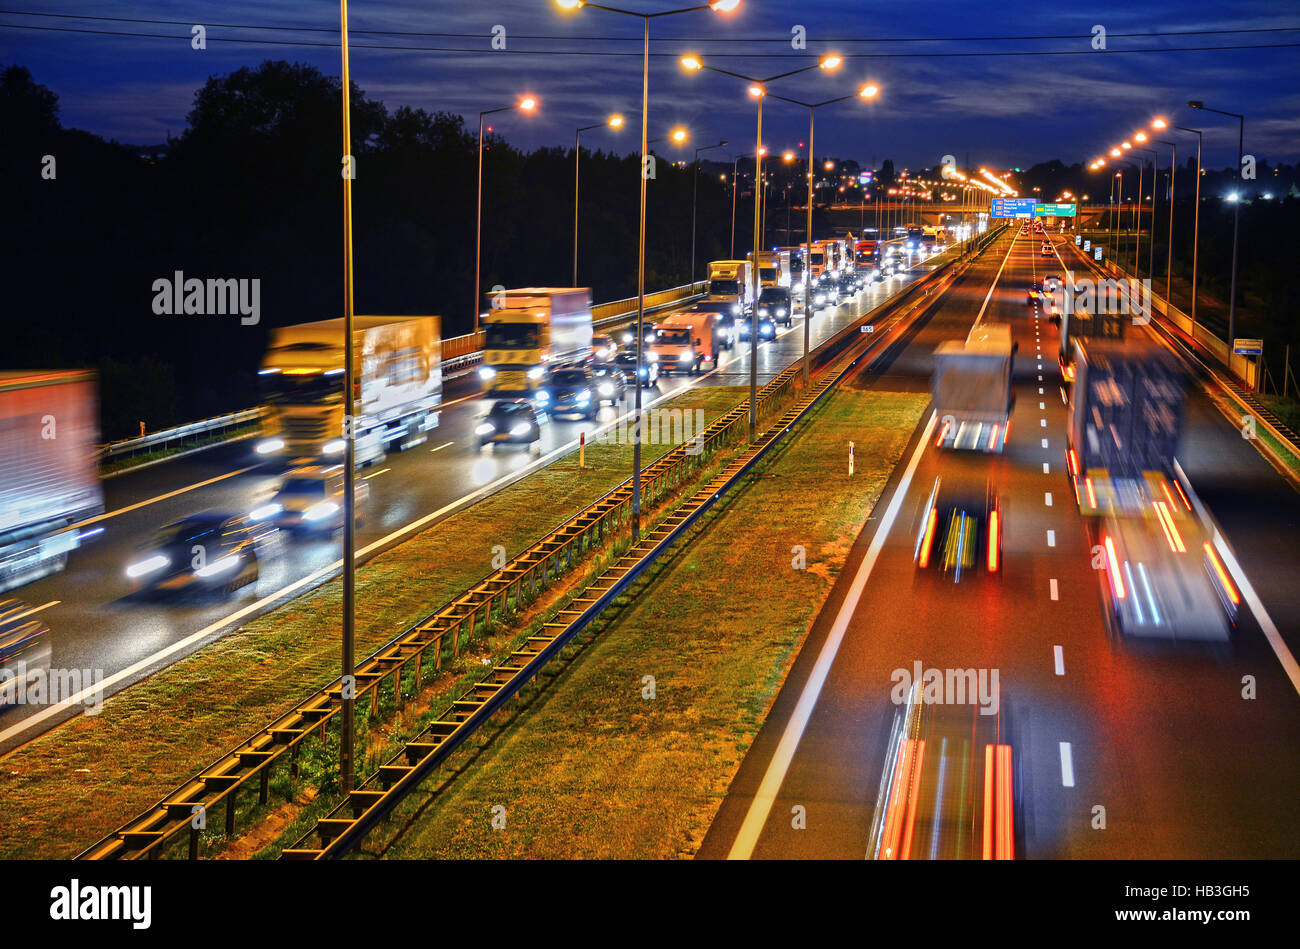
(688, 339)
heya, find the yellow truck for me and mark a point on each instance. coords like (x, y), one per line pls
(530, 331)
(397, 389)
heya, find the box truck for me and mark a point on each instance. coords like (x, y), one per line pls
(773, 268)
(397, 388)
(687, 340)
(49, 475)
(531, 331)
(971, 389)
(731, 287)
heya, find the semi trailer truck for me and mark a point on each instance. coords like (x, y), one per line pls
(530, 331)
(971, 389)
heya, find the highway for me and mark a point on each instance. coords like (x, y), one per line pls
(1118, 752)
(97, 624)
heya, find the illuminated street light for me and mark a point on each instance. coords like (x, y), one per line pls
(615, 122)
(526, 104)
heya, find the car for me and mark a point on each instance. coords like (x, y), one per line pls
(570, 390)
(848, 286)
(311, 499)
(511, 422)
(208, 552)
(628, 335)
(611, 383)
(775, 303)
(766, 328)
(1051, 282)
(24, 644)
(960, 531)
(1035, 291)
(603, 348)
(626, 361)
(1045, 250)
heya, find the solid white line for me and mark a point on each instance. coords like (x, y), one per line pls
(1059, 655)
(1051, 538)
(993, 286)
(442, 446)
(1055, 591)
(161, 497)
(756, 817)
(1067, 765)
(35, 609)
(1284, 655)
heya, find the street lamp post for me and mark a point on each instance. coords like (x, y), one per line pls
(695, 196)
(1236, 210)
(614, 122)
(1196, 216)
(1173, 168)
(1151, 250)
(758, 90)
(526, 104)
(867, 92)
(718, 6)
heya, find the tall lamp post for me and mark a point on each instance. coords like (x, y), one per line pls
(526, 104)
(867, 93)
(718, 6)
(695, 197)
(758, 91)
(615, 122)
(1151, 250)
(1196, 216)
(1159, 123)
(1236, 210)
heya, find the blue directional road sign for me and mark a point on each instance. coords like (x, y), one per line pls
(1014, 207)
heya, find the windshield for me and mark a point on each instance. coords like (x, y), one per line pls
(188, 532)
(314, 388)
(764, 273)
(818, 258)
(303, 488)
(508, 408)
(569, 377)
(796, 265)
(512, 336)
(723, 286)
(675, 336)
(775, 298)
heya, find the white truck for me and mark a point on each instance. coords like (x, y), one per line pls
(773, 268)
(397, 389)
(971, 389)
(731, 287)
(49, 478)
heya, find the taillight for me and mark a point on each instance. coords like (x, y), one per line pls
(928, 540)
(1172, 535)
(1092, 494)
(995, 540)
(1113, 563)
(1074, 464)
(943, 433)
(993, 438)
(1222, 574)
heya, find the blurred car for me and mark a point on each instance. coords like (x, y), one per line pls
(603, 348)
(1051, 282)
(213, 551)
(1045, 250)
(627, 336)
(848, 285)
(570, 390)
(611, 382)
(24, 642)
(510, 422)
(766, 328)
(775, 303)
(960, 531)
(311, 499)
(1035, 291)
(626, 361)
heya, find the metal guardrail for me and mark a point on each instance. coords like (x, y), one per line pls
(407, 655)
(220, 423)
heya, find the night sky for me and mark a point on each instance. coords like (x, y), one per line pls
(1001, 109)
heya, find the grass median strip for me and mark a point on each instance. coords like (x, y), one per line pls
(81, 779)
(629, 748)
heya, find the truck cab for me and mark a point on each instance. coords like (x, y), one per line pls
(530, 330)
(689, 339)
(730, 288)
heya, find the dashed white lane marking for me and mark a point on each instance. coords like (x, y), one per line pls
(442, 446)
(1047, 499)
(1042, 405)
(1042, 423)
(1051, 538)
(1047, 469)
(1059, 655)
(1054, 589)
(1044, 442)
(1040, 378)
(376, 474)
(1040, 390)
(1067, 765)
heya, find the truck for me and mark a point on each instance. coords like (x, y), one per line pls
(530, 331)
(971, 389)
(1161, 573)
(731, 287)
(396, 392)
(685, 341)
(1082, 318)
(773, 268)
(867, 253)
(49, 476)
(821, 259)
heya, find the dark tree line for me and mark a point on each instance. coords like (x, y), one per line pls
(252, 189)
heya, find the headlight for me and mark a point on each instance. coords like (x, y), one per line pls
(584, 396)
(685, 357)
(520, 429)
(487, 428)
(148, 565)
(270, 445)
(762, 311)
(627, 337)
(266, 510)
(781, 312)
(486, 373)
(536, 373)
(652, 357)
(320, 511)
(542, 395)
(334, 447)
(606, 388)
(219, 566)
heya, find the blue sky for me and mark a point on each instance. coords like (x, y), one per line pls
(1001, 109)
